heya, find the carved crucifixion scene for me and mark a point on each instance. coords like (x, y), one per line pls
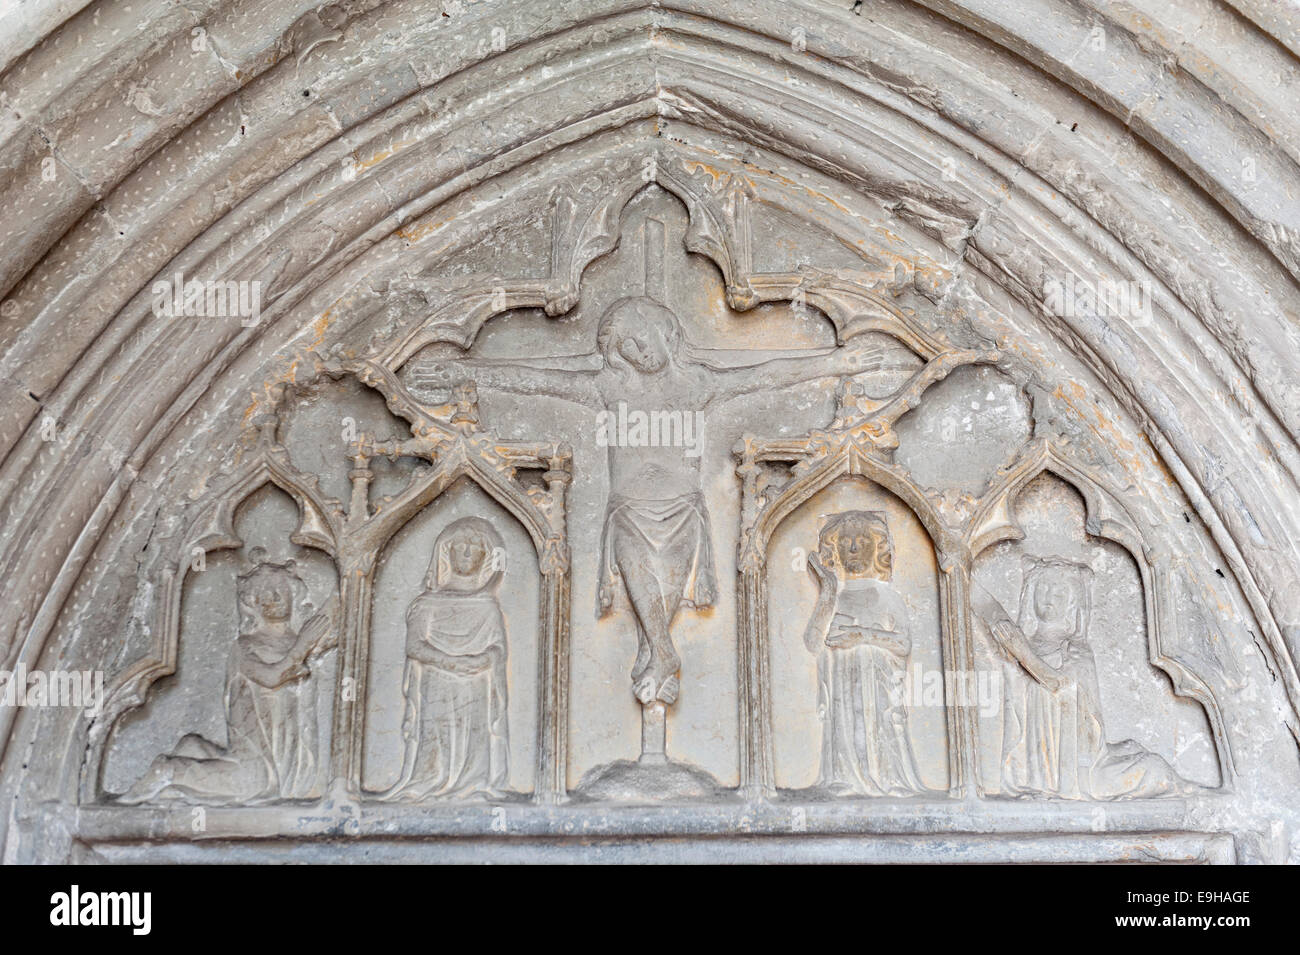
(652, 436)
(725, 582)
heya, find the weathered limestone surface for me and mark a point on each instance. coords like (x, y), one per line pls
(665, 431)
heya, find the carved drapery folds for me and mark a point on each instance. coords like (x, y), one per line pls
(857, 445)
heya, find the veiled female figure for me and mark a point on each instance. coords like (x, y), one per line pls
(270, 700)
(455, 728)
(1054, 742)
(859, 631)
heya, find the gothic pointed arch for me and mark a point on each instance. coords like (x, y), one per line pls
(937, 249)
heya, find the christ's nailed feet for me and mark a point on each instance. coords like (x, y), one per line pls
(651, 686)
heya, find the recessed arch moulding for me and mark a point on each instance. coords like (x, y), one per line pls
(645, 419)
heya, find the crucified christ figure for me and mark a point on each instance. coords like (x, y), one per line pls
(656, 549)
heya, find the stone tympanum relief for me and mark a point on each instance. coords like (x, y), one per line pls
(270, 701)
(812, 603)
(659, 296)
(648, 405)
(860, 632)
(656, 547)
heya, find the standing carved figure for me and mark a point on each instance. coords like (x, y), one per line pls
(270, 702)
(656, 549)
(1053, 739)
(455, 726)
(859, 631)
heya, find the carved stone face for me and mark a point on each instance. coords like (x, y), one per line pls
(858, 543)
(640, 333)
(1054, 600)
(856, 548)
(274, 601)
(467, 556)
(644, 349)
(467, 553)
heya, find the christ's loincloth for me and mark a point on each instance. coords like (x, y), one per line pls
(660, 536)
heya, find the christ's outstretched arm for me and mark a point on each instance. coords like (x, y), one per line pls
(778, 373)
(575, 385)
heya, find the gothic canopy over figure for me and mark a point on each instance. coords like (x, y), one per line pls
(859, 631)
(270, 701)
(455, 725)
(1054, 739)
(656, 543)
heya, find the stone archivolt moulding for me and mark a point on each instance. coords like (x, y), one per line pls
(344, 203)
